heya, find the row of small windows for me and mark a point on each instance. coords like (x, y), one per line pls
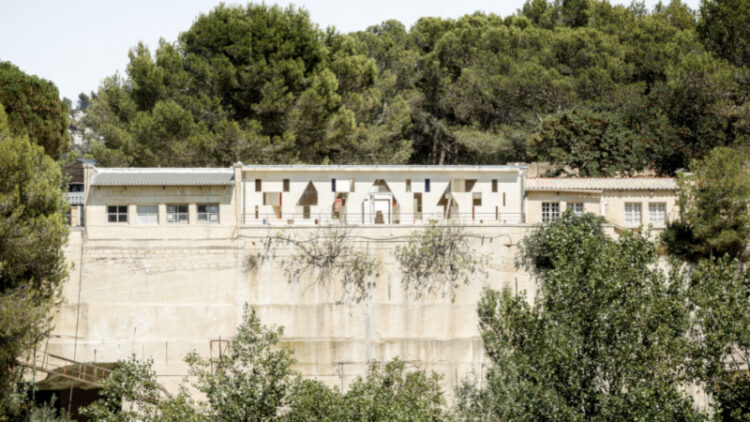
(176, 214)
(657, 212)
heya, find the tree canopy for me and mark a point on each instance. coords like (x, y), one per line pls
(713, 199)
(34, 109)
(264, 84)
(32, 234)
(604, 339)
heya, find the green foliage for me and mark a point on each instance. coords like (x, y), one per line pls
(34, 109)
(725, 29)
(329, 260)
(437, 259)
(389, 392)
(593, 142)
(260, 84)
(32, 235)
(132, 393)
(604, 339)
(720, 295)
(713, 200)
(263, 84)
(48, 413)
(253, 381)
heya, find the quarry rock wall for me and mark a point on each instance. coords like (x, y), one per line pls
(161, 297)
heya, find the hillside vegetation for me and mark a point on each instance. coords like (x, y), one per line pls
(600, 88)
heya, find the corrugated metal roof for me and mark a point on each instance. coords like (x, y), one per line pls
(600, 183)
(163, 177)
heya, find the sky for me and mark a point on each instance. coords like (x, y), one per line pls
(76, 44)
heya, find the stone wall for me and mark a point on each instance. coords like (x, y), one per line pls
(161, 298)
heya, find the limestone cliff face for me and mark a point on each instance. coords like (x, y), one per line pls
(163, 296)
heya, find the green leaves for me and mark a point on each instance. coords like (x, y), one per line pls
(34, 109)
(604, 339)
(254, 382)
(593, 142)
(32, 266)
(437, 260)
(713, 199)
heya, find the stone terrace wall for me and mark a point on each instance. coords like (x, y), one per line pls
(161, 298)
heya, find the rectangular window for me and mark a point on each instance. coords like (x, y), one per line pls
(177, 213)
(286, 185)
(258, 185)
(657, 213)
(426, 185)
(333, 185)
(208, 213)
(418, 205)
(476, 198)
(306, 212)
(117, 213)
(408, 185)
(497, 213)
(503, 198)
(147, 214)
(576, 207)
(351, 185)
(633, 213)
(494, 185)
(550, 211)
(257, 213)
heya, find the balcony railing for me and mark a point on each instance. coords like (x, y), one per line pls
(355, 219)
(74, 198)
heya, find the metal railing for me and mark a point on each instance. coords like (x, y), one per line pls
(354, 219)
(74, 198)
(84, 373)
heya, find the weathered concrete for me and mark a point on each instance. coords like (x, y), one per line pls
(160, 298)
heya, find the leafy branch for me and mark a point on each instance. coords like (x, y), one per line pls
(328, 258)
(438, 259)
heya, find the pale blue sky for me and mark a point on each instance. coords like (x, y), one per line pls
(77, 43)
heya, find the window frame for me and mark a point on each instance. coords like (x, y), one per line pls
(118, 213)
(660, 222)
(573, 205)
(630, 208)
(207, 214)
(178, 213)
(138, 209)
(550, 211)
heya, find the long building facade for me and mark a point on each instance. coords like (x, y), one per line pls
(162, 261)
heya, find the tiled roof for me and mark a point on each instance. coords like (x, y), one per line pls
(600, 183)
(163, 177)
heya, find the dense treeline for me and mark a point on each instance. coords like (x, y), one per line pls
(600, 88)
